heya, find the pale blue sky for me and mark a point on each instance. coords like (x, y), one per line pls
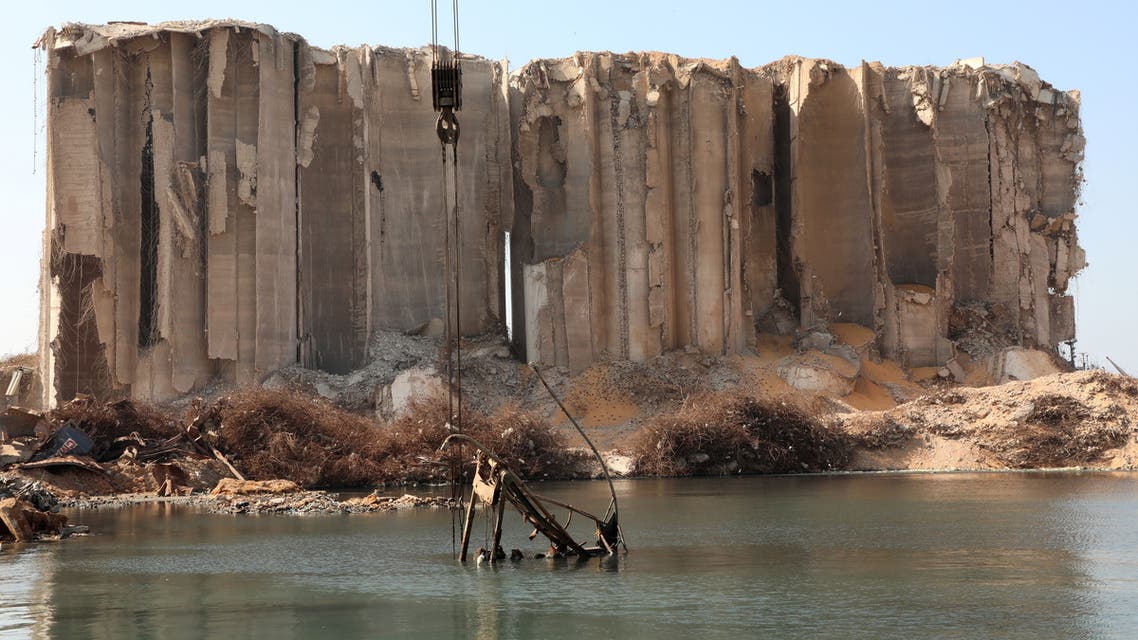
(1074, 45)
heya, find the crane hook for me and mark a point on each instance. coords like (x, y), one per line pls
(447, 126)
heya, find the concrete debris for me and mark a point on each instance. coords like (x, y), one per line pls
(28, 511)
(619, 464)
(819, 372)
(17, 422)
(368, 388)
(30, 491)
(391, 503)
(22, 522)
(17, 450)
(84, 452)
(412, 384)
(1021, 364)
(76, 462)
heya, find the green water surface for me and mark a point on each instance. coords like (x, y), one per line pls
(1000, 555)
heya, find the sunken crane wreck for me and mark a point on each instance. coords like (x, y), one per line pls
(494, 484)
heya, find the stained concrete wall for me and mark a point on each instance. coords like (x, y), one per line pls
(692, 193)
(638, 176)
(224, 200)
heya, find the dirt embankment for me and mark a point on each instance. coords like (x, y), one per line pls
(1079, 419)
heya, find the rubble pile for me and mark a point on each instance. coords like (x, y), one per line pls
(28, 511)
(31, 491)
(86, 447)
(22, 522)
(265, 450)
(268, 435)
(390, 353)
(279, 433)
(730, 433)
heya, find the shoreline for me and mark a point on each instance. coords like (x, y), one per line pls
(329, 501)
(1079, 422)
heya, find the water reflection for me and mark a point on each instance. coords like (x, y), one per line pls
(981, 555)
(25, 591)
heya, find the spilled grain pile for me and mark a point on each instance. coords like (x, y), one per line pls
(1066, 419)
(1059, 430)
(729, 433)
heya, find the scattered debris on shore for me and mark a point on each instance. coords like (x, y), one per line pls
(281, 434)
(289, 502)
(742, 418)
(322, 502)
(30, 512)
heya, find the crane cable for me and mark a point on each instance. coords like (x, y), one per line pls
(446, 92)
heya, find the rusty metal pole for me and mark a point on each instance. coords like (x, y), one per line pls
(468, 522)
(499, 511)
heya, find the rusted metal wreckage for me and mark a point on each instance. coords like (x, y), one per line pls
(495, 485)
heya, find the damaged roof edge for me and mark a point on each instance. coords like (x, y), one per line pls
(1017, 73)
(89, 38)
(86, 39)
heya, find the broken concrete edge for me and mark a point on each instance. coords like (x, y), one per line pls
(17, 422)
(234, 487)
(86, 38)
(22, 522)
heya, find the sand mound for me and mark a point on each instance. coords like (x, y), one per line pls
(1067, 419)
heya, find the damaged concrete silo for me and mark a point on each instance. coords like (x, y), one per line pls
(225, 200)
